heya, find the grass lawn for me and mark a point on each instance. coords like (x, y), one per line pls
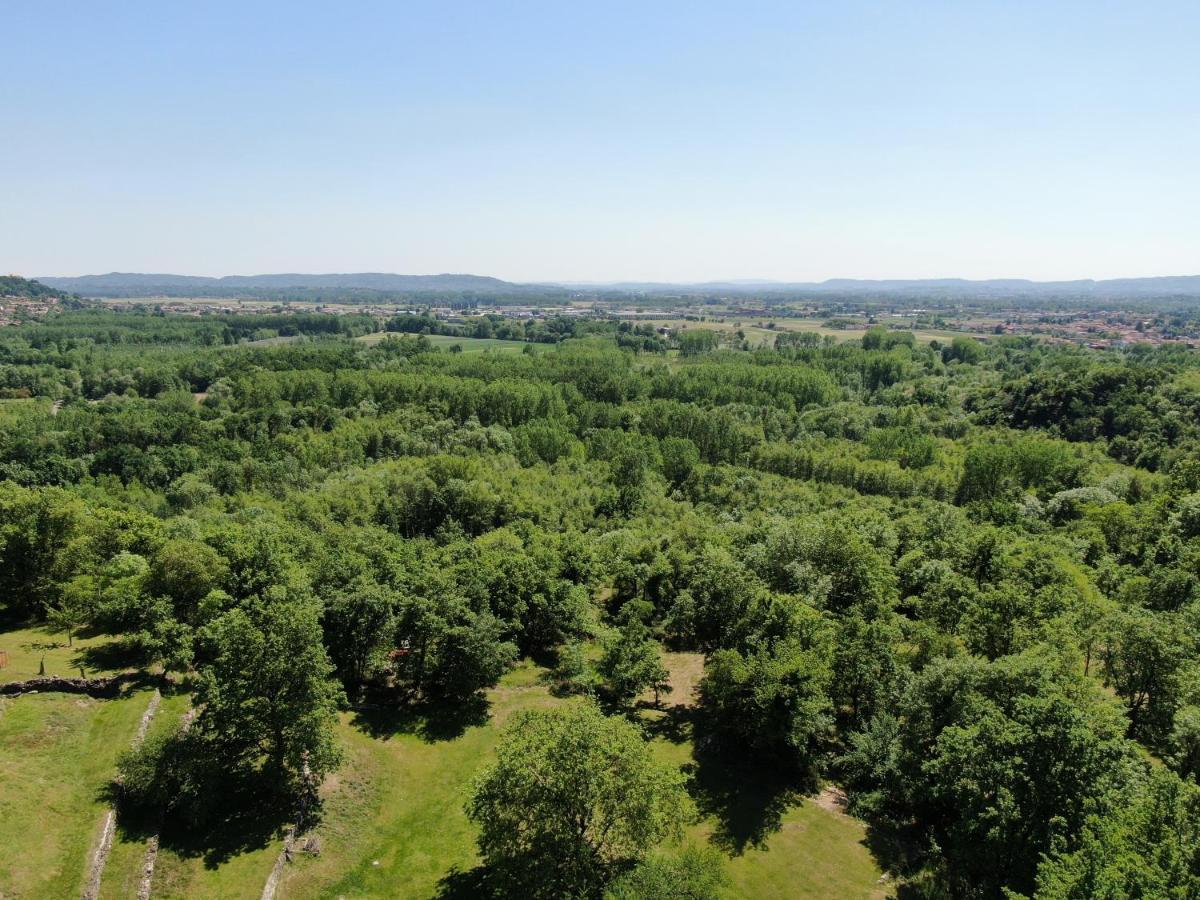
(272, 341)
(817, 852)
(469, 345)
(186, 875)
(394, 822)
(57, 756)
(778, 843)
(233, 862)
(27, 647)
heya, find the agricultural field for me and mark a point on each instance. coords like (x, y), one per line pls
(468, 345)
(759, 335)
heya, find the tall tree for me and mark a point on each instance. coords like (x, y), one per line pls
(1144, 657)
(264, 688)
(632, 662)
(1145, 845)
(772, 698)
(995, 763)
(571, 794)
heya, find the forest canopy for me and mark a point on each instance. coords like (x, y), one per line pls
(958, 580)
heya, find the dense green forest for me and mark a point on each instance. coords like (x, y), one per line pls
(959, 581)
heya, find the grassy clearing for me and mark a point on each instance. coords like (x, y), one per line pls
(26, 648)
(272, 341)
(815, 853)
(469, 345)
(479, 345)
(686, 671)
(778, 843)
(394, 824)
(57, 757)
(230, 859)
(180, 875)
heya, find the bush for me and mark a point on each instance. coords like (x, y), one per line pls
(696, 874)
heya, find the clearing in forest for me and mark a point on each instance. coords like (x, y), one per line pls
(394, 824)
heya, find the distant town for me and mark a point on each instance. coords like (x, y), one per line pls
(1110, 327)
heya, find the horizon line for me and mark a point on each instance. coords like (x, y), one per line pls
(746, 281)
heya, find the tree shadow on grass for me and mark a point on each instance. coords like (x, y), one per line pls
(747, 799)
(472, 884)
(12, 618)
(560, 686)
(247, 815)
(511, 880)
(673, 724)
(112, 656)
(431, 721)
(237, 813)
(897, 849)
(134, 825)
(126, 684)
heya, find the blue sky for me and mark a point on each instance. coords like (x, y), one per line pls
(602, 141)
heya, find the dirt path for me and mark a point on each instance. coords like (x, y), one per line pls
(832, 799)
(91, 890)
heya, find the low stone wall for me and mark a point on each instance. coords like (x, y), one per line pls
(93, 687)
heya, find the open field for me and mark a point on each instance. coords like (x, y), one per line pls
(27, 648)
(817, 852)
(230, 873)
(267, 342)
(394, 824)
(469, 345)
(57, 757)
(778, 843)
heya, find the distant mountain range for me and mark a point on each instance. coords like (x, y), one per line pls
(121, 284)
(136, 284)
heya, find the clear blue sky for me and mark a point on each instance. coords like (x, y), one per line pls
(565, 140)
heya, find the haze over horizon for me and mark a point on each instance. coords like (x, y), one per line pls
(569, 282)
(678, 143)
